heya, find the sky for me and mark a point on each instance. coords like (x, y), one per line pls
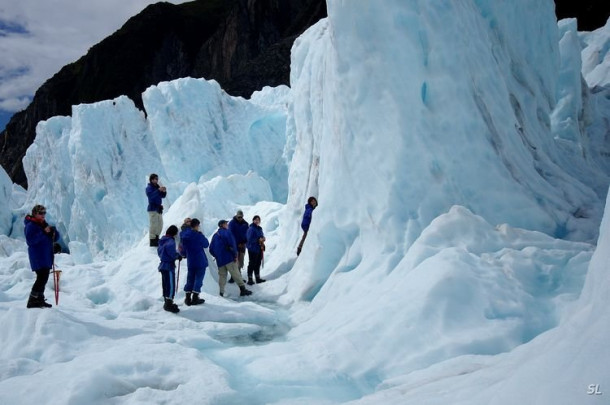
(458, 254)
(38, 38)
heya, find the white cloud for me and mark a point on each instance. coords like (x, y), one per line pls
(45, 36)
(14, 104)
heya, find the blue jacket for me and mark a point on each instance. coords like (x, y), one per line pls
(223, 247)
(154, 197)
(307, 217)
(239, 230)
(193, 242)
(255, 232)
(167, 253)
(40, 244)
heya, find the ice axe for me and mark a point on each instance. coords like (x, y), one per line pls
(177, 279)
(56, 274)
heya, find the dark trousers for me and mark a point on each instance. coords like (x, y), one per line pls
(254, 264)
(194, 280)
(168, 283)
(300, 247)
(42, 276)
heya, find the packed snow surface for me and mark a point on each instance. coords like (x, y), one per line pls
(456, 256)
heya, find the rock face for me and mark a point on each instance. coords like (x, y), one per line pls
(590, 14)
(242, 44)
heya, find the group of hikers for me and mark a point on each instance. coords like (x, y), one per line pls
(228, 247)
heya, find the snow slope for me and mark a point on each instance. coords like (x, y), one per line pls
(452, 259)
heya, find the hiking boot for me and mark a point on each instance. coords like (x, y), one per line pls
(222, 294)
(33, 302)
(231, 281)
(154, 242)
(244, 291)
(170, 306)
(37, 302)
(187, 299)
(250, 281)
(196, 300)
(44, 303)
(260, 280)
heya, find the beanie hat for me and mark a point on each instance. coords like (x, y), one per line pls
(239, 213)
(221, 222)
(194, 222)
(172, 230)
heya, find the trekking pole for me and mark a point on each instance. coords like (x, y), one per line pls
(56, 274)
(177, 280)
(262, 246)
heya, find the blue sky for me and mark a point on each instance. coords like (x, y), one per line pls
(38, 38)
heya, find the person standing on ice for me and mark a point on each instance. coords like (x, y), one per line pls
(168, 254)
(155, 193)
(256, 247)
(193, 242)
(239, 229)
(311, 205)
(224, 250)
(40, 237)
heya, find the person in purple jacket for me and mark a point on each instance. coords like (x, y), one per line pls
(256, 248)
(40, 237)
(168, 255)
(193, 242)
(239, 229)
(224, 250)
(311, 205)
(155, 193)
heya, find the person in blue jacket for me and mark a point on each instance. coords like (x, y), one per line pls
(168, 255)
(239, 229)
(256, 248)
(224, 250)
(155, 193)
(193, 242)
(40, 237)
(311, 205)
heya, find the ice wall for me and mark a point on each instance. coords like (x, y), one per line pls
(577, 121)
(90, 172)
(596, 55)
(596, 71)
(6, 191)
(199, 130)
(424, 129)
(91, 169)
(390, 136)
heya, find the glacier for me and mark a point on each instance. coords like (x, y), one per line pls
(458, 152)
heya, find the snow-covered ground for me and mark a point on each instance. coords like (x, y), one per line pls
(461, 169)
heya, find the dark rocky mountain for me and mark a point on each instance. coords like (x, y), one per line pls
(243, 44)
(589, 14)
